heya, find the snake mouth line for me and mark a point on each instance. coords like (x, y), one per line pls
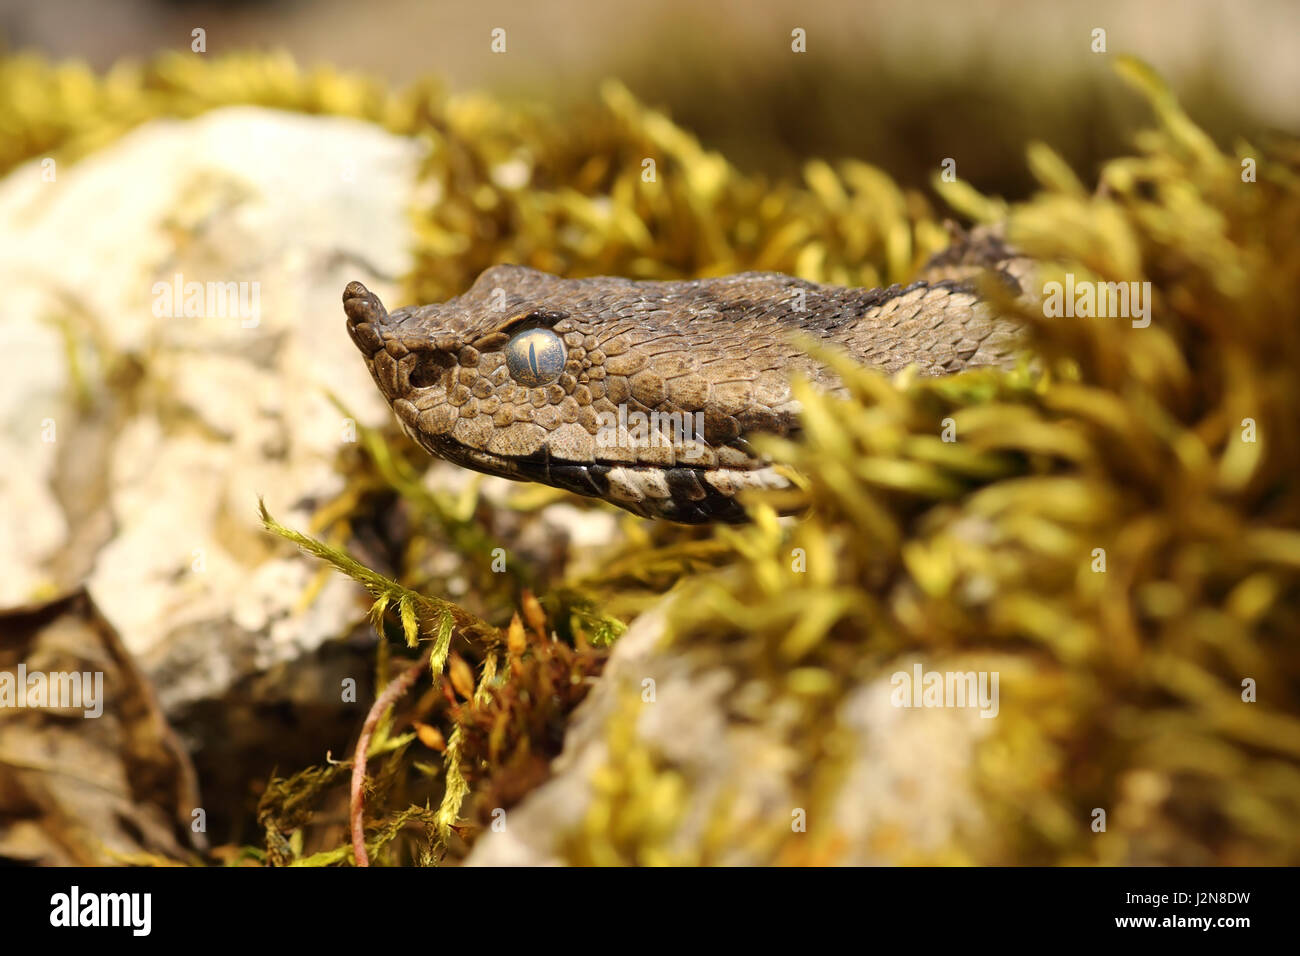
(679, 493)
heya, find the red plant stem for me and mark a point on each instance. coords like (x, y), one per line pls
(395, 689)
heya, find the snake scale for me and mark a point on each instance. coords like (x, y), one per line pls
(644, 393)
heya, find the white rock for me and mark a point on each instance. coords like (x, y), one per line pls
(227, 407)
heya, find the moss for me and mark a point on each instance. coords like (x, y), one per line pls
(1170, 447)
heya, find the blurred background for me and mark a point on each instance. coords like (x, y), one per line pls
(898, 83)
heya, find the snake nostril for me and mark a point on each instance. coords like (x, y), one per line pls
(431, 369)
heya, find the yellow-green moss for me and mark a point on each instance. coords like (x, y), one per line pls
(1131, 440)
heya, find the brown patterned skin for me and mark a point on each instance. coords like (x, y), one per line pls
(716, 353)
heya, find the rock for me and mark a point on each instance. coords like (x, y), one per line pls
(93, 774)
(907, 779)
(138, 467)
(140, 424)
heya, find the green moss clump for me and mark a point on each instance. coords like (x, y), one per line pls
(1115, 532)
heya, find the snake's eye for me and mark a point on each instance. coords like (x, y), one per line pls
(535, 357)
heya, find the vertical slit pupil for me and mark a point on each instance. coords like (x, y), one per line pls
(535, 357)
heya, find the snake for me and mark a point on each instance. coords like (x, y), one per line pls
(647, 394)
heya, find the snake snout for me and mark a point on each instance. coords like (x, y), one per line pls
(364, 312)
(362, 305)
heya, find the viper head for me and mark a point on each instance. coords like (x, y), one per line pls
(628, 391)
